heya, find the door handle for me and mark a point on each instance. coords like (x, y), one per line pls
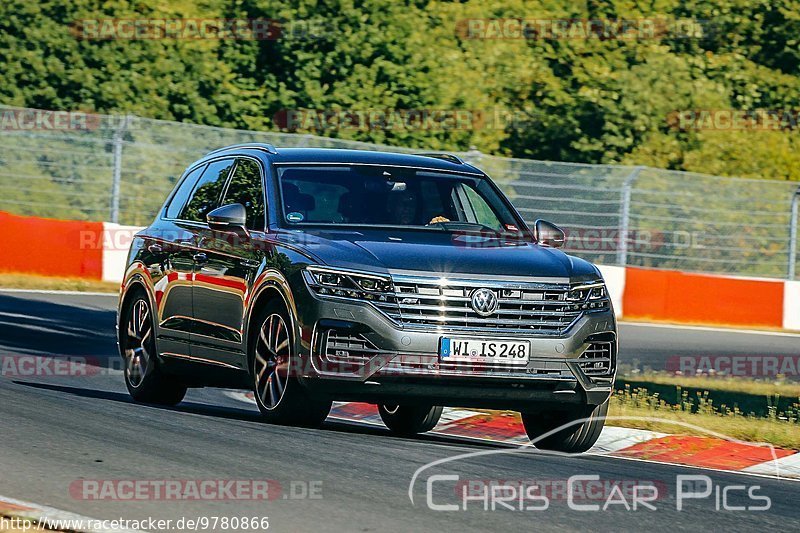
(251, 263)
(155, 249)
(200, 257)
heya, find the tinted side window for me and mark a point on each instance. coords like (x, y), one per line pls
(182, 194)
(205, 196)
(246, 188)
(483, 213)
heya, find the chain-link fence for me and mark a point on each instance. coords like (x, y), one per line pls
(120, 168)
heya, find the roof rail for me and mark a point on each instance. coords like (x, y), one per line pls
(447, 157)
(255, 146)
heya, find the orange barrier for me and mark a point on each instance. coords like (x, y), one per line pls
(681, 297)
(81, 249)
(51, 247)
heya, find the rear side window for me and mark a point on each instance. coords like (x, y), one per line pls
(246, 188)
(182, 194)
(206, 194)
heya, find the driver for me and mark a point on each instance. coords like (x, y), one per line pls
(403, 209)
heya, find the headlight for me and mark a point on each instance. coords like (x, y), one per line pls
(588, 296)
(345, 284)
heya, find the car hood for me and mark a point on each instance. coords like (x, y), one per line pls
(439, 253)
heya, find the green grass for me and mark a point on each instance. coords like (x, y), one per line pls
(757, 387)
(779, 427)
(34, 282)
(753, 410)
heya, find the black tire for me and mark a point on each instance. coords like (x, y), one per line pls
(407, 420)
(144, 379)
(576, 438)
(280, 397)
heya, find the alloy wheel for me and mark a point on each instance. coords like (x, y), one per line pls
(137, 350)
(272, 355)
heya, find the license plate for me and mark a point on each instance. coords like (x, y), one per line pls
(486, 351)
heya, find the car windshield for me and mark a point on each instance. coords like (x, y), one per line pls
(371, 196)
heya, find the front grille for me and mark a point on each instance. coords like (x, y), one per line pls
(544, 367)
(531, 307)
(597, 360)
(342, 347)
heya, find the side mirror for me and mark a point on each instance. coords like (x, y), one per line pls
(548, 234)
(231, 217)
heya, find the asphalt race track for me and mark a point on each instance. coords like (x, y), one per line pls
(57, 430)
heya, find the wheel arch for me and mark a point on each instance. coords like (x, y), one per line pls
(133, 284)
(137, 276)
(273, 286)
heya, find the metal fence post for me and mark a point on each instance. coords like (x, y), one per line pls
(117, 139)
(624, 216)
(793, 235)
(473, 156)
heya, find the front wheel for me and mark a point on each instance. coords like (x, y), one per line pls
(576, 437)
(409, 420)
(143, 378)
(280, 397)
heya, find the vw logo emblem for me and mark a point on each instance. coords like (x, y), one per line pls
(484, 302)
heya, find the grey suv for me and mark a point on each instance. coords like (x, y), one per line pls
(407, 281)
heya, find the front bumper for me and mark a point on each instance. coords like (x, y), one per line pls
(392, 363)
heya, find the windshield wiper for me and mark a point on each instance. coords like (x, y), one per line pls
(459, 225)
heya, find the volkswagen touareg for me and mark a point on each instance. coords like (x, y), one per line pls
(408, 281)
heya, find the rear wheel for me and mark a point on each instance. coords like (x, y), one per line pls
(281, 398)
(410, 419)
(575, 438)
(143, 378)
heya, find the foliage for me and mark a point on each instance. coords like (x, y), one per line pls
(585, 100)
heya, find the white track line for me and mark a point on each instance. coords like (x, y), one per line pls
(789, 465)
(49, 516)
(621, 322)
(64, 293)
(710, 328)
